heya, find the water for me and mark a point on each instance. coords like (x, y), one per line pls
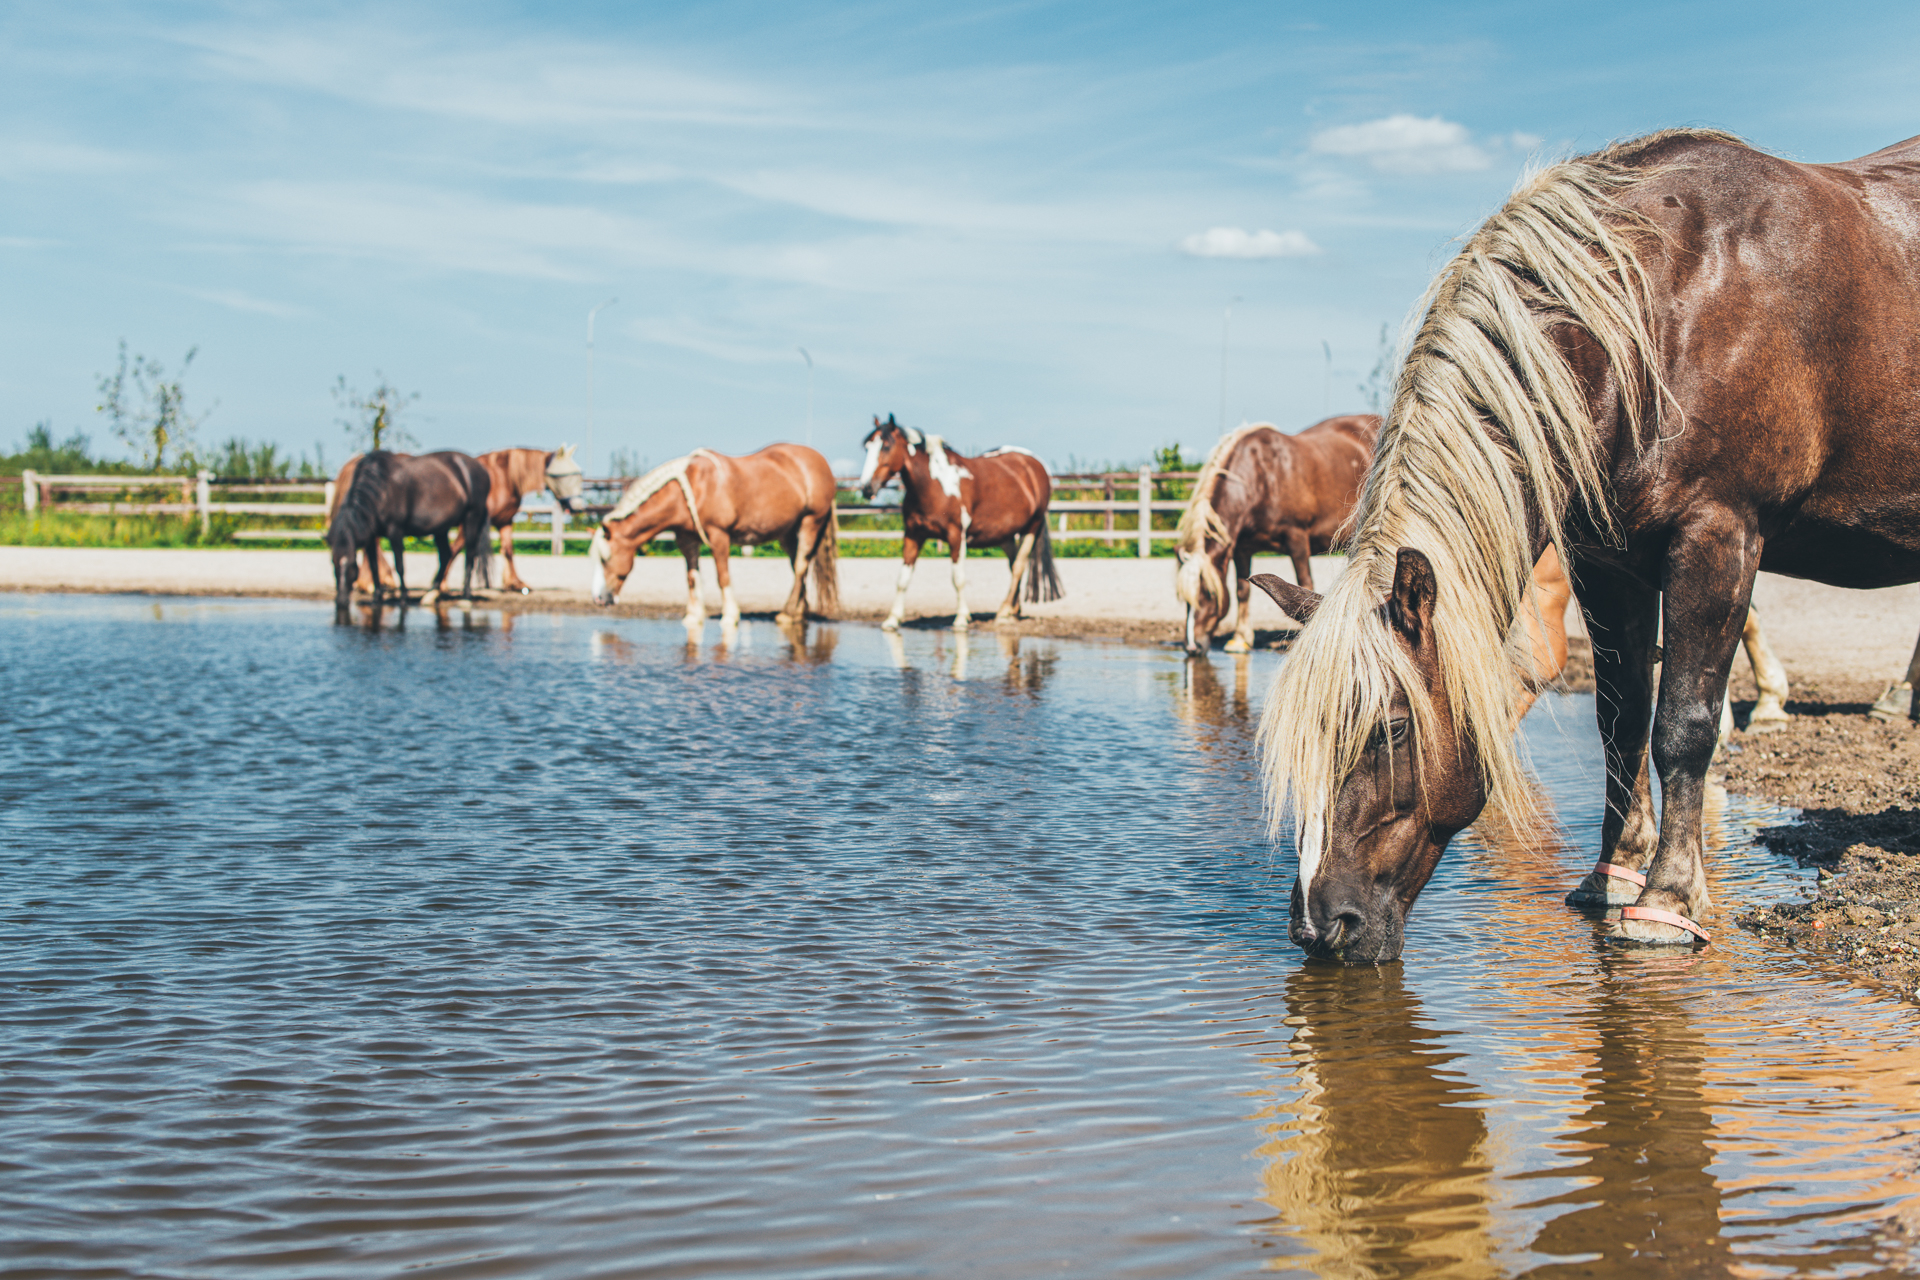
(548, 946)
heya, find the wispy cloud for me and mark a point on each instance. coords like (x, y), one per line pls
(1405, 144)
(1232, 242)
(235, 300)
(22, 158)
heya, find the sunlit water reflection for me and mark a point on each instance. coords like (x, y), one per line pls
(552, 946)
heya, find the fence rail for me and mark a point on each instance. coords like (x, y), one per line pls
(1127, 501)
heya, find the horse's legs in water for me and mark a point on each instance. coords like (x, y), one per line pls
(1018, 554)
(800, 546)
(689, 544)
(443, 545)
(961, 618)
(372, 552)
(723, 570)
(1241, 641)
(397, 542)
(1769, 711)
(1709, 577)
(1623, 617)
(909, 556)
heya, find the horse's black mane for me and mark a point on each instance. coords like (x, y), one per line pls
(359, 513)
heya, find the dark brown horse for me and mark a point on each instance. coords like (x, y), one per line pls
(399, 496)
(998, 499)
(784, 494)
(1679, 360)
(1264, 490)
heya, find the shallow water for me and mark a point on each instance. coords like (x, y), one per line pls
(551, 946)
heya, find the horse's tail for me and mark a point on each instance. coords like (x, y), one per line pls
(1043, 580)
(826, 565)
(479, 527)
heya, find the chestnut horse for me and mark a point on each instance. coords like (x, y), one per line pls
(784, 494)
(516, 474)
(998, 499)
(1264, 490)
(397, 496)
(1679, 361)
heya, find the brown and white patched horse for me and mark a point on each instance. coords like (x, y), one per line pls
(517, 474)
(1264, 490)
(997, 499)
(783, 494)
(1678, 361)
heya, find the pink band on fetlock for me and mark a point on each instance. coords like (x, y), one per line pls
(1619, 873)
(1658, 916)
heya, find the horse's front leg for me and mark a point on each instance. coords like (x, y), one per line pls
(723, 570)
(961, 618)
(689, 544)
(1241, 641)
(397, 543)
(512, 581)
(1010, 607)
(1623, 617)
(1709, 577)
(909, 557)
(443, 546)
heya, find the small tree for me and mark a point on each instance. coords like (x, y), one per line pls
(373, 417)
(148, 409)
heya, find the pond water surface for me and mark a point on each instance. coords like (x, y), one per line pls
(553, 946)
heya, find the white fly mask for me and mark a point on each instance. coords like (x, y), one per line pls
(564, 478)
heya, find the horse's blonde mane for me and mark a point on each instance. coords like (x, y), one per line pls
(654, 481)
(1200, 521)
(1486, 411)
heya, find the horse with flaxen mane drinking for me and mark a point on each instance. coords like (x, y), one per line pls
(1678, 361)
(400, 496)
(784, 494)
(1264, 490)
(997, 499)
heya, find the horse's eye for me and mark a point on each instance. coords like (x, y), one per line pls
(1397, 729)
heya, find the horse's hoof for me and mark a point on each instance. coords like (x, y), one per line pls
(962, 624)
(1596, 892)
(427, 599)
(1237, 645)
(1767, 724)
(1653, 927)
(786, 619)
(891, 624)
(1006, 619)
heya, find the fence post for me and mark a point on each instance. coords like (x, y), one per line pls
(1106, 483)
(328, 500)
(30, 490)
(559, 529)
(203, 497)
(1146, 512)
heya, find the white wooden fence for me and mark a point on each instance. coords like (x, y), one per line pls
(136, 495)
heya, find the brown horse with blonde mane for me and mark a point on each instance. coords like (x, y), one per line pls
(1677, 361)
(997, 499)
(1264, 490)
(784, 494)
(516, 475)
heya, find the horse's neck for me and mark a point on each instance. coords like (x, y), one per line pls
(527, 470)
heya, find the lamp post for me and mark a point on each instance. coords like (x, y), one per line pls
(805, 355)
(1226, 318)
(590, 315)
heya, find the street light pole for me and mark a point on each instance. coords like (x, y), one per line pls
(1225, 319)
(588, 452)
(804, 355)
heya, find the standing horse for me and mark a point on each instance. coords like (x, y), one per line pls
(1264, 490)
(397, 496)
(998, 499)
(783, 493)
(516, 473)
(382, 567)
(1678, 361)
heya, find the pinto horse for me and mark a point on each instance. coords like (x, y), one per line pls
(515, 474)
(784, 494)
(1678, 361)
(998, 499)
(1264, 490)
(398, 496)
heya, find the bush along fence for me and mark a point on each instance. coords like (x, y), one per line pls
(1113, 510)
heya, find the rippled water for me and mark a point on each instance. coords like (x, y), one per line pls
(549, 946)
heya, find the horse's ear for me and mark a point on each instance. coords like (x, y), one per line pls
(1410, 607)
(1297, 603)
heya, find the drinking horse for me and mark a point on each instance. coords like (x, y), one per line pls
(1678, 361)
(515, 474)
(399, 496)
(998, 499)
(784, 494)
(1263, 490)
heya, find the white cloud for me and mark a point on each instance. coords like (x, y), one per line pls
(1405, 144)
(1232, 242)
(235, 300)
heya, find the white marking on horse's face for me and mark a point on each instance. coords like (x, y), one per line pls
(598, 551)
(1313, 838)
(873, 462)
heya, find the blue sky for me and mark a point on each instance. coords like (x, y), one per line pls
(1017, 223)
